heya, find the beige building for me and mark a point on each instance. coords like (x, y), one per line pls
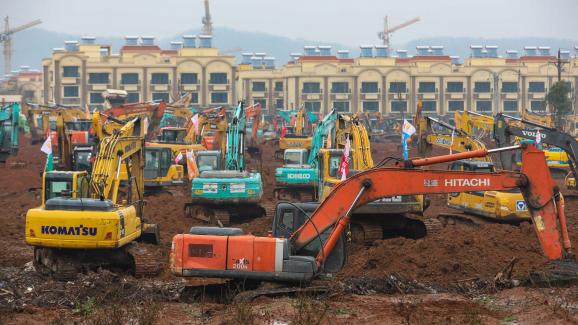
(377, 81)
(24, 83)
(316, 79)
(79, 73)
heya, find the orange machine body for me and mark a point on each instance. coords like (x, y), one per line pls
(234, 256)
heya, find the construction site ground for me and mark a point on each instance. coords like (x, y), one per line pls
(446, 278)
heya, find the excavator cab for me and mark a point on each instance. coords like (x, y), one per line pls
(72, 184)
(295, 157)
(82, 157)
(209, 160)
(290, 216)
(173, 135)
(159, 169)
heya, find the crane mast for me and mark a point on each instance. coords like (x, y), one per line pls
(207, 21)
(6, 38)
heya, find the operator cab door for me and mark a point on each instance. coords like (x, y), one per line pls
(289, 217)
(152, 163)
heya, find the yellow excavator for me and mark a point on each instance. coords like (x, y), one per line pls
(160, 169)
(367, 223)
(294, 137)
(86, 221)
(496, 205)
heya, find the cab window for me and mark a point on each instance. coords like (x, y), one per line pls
(58, 188)
(287, 220)
(292, 158)
(207, 163)
(151, 159)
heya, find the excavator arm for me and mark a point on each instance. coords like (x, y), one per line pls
(254, 111)
(321, 132)
(503, 131)
(236, 140)
(470, 122)
(458, 141)
(540, 192)
(125, 143)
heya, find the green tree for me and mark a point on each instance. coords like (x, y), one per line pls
(559, 102)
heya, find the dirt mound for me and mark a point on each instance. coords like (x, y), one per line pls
(458, 253)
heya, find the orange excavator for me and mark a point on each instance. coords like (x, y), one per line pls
(320, 240)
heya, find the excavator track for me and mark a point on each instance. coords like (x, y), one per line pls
(433, 226)
(366, 232)
(48, 261)
(146, 260)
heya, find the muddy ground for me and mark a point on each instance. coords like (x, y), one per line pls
(447, 278)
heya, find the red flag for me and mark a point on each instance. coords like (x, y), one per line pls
(293, 120)
(274, 124)
(344, 164)
(283, 130)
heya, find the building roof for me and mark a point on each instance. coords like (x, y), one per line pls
(140, 48)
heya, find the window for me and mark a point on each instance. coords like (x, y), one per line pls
(312, 106)
(189, 79)
(369, 87)
(96, 98)
(278, 86)
(455, 87)
(261, 101)
(279, 103)
(161, 96)
(70, 71)
(341, 106)
(372, 106)
(201, 250)
(455, 105)
(510, 106)
(219, 98)
(427, 87)
(482, 87)
(70, 91)
(287, 220)
(484, 106)
(340, 87)
(98, 78)
(509, 87)
(218, 78)
(132, 97)
(194, 98)
(429, 106)
(207, 162)
(397, 87)
(311, 88)
(259, 86)
(398, 106)
(538, 106)
(129, 79)
(536, 87)
(160, 79)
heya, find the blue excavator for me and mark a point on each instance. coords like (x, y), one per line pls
(9, 122)
(225, 191)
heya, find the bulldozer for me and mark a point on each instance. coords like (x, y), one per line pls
(85, 221)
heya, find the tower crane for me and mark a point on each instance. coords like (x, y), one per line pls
(6, 38)
(207, 21)
(385, 35)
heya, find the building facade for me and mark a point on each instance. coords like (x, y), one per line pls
(316, 79)
(25, 84)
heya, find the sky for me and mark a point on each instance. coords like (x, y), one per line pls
(350, 22)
